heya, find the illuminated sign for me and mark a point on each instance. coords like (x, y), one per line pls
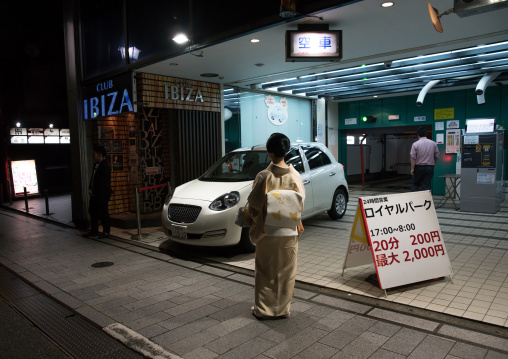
(19, 139)
(35, 139)
(51, 139)
(51, 132)
(479, 125)
(39, 135)
(24, 174)
(177, 93)
(309, 46)
(35, 131)
(18, 131)
(108, 98)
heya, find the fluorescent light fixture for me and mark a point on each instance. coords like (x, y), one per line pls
(387, 4)
(133, 52)
(180, 38)
(254, 40)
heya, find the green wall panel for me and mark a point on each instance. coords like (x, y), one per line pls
(451, 99)
(349, 110)
(425, 110)
(394, 106)
(371, 108)
(504, 108)
(491, 107)
(463, 102)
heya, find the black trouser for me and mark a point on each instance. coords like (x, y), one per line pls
(422, 178)
(98, 209)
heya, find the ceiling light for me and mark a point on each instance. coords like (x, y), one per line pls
(259, 65)
(133, 52)
(50, 125)
(180, 38)
(173, 64)
(387, 4)
(18, 124)
(208, 74)
(254, 40)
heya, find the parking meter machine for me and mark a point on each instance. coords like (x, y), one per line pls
(481, 166)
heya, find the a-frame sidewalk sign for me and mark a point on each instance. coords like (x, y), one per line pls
(400, 234)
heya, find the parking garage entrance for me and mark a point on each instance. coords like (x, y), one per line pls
(386, 156)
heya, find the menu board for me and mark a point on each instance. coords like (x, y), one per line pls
(24, 174)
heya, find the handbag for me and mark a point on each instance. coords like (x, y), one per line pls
(283, 208)
(242, 217)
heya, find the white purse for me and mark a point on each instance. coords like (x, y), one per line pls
(283, 208)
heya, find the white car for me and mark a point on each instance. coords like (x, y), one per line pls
(202, 212)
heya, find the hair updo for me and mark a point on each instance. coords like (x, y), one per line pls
(278, 144)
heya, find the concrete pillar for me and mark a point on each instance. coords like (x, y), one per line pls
(80, 150)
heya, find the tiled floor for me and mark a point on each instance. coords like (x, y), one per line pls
(477, 246)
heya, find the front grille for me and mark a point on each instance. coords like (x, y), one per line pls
(182, 213)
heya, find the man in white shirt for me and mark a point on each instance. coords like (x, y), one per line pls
(424, 154)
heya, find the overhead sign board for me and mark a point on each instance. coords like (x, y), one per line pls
(318, 46)
(405, 240)
(39, 135)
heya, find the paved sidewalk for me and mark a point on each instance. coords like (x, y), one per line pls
(477, 245)
(196, 310)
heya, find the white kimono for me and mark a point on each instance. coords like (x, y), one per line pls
(276, 256)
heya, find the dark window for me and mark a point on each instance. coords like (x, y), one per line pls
(316, 157)
(103, 36)
(151, 28)
(293, 157)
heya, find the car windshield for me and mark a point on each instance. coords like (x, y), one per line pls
(237, 166)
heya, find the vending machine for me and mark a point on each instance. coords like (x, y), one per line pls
(481, 167)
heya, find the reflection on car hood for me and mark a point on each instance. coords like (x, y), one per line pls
(208, 191)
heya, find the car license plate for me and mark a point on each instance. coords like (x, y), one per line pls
(179, 231)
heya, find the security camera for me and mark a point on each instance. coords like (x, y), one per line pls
(388, 64)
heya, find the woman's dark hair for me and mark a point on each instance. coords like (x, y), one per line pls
(278, 144)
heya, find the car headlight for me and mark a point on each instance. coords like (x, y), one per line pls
(225, 201)
(168, 197)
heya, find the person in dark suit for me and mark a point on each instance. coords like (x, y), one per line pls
(100, 193)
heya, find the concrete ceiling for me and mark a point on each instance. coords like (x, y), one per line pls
(371, 35)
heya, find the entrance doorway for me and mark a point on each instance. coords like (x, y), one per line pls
(386, 157)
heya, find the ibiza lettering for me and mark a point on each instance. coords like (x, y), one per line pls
(182, 93)
(108, 104)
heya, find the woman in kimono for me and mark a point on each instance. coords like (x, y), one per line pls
(276, 248)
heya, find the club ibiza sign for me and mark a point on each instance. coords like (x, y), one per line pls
(183, 90)
(108, 98)
(159, 91)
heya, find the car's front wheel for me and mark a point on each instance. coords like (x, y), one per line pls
(339, 204)
(245, 242)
